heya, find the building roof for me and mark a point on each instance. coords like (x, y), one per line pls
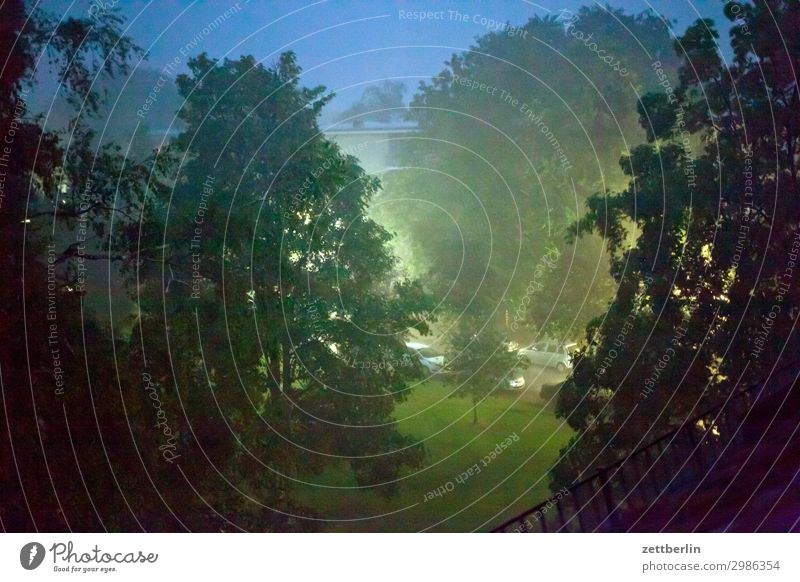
(351, 126)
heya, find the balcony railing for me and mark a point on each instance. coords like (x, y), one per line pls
(678, 459)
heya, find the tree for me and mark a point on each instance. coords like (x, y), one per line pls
(482, 363)
(269, 289)
(705, 303)
(59, 192)
(507, 147)
(381, 102)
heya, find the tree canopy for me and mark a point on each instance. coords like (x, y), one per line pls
(706, 299)
(59, 194)
(271, 286)
(514, 134)
(267, 339)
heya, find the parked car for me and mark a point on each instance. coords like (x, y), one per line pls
(431, 359)
(515, 380)
(550, 353)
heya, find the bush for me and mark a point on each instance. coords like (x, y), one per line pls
(550, 390)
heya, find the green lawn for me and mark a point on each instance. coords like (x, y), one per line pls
(453, 445)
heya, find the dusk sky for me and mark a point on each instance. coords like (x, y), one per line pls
(346, 45)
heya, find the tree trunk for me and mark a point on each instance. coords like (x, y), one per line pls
(287, 365)
(274, 377)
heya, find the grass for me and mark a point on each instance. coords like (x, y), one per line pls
(453, 445)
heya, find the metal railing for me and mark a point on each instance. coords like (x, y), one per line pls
(681, 457)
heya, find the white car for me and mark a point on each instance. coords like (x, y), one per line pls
(515, 380)
(427, 356)
(550, 353)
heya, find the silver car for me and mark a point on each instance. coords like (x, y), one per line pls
(550, 353)
(515, 380)
(432, 360)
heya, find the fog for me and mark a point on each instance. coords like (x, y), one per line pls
(391, 267)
